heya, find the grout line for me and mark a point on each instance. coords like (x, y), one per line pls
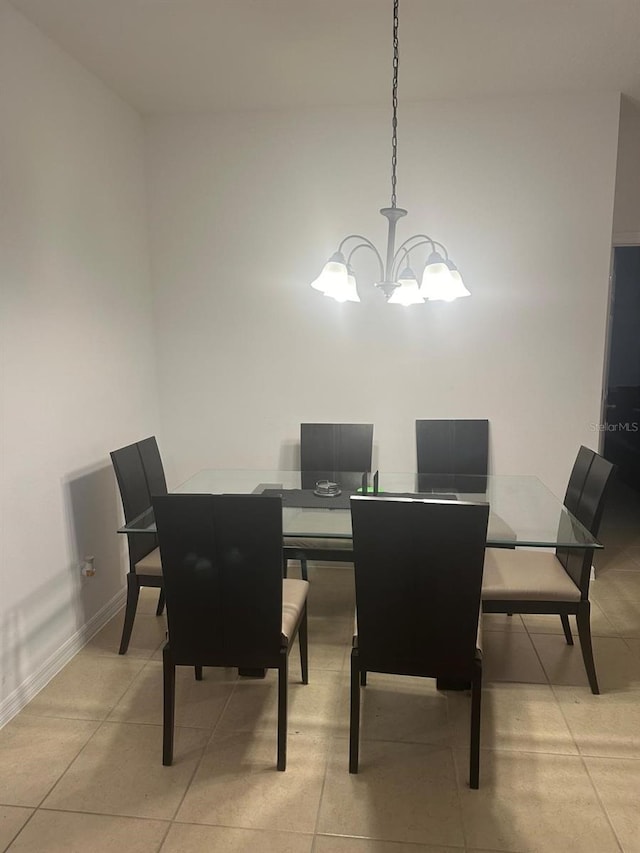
(602, 805)
(104, 814)
(204, 749)
(327, 757)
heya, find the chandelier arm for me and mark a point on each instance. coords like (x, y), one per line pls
(404, 250)
(365, 240)
(444, 249)
(423, 238)
(367, 245)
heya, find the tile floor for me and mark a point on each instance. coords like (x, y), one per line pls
(81, 772)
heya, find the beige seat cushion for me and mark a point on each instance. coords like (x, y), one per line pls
(294, 596)
(309, 544)
(150, 565)
(526, 575)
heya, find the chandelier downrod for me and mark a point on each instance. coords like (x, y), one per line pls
(392, 214)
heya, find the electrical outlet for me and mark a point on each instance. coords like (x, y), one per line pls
(87, 567)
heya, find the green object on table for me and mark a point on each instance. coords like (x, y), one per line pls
(370, 491)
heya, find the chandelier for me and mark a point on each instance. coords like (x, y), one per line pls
(440, 279)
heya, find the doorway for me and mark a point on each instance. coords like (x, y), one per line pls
(622, 407)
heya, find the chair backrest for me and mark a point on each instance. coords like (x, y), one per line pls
(449, 449)
(328, 451)
(418, 572)
(577, 477)
(132, 480)
(222, 567)
(153, 467)
(591, 504)
(587, 505)
(134, 493)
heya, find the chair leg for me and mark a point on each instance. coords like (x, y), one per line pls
(160, 606)
(474, 757)
(282, 710)
(583, 619)
(198, 670)
(169, 681)
(363, 678)
(566, 627)
(133, 590)
(354, 721)
(303, 642)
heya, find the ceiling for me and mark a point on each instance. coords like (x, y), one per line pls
(203, 55)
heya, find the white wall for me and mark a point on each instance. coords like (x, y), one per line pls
(626, 213)
(78, 372)
(245, 209)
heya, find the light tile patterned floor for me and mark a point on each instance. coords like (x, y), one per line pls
(81, 771)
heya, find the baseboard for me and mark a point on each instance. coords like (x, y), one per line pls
(29, 688)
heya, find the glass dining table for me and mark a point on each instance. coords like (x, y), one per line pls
(315, 505)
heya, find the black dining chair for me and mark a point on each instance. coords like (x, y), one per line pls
(145, 568)
(521, 581)
(452, 454)
(340, 453)
(227, 603)
(335, 451)
(418, 573)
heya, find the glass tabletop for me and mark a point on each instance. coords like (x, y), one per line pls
(316, 504)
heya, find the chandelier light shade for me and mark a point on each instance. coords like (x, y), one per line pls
(440, 279)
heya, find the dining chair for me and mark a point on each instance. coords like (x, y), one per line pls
(448, 450)
(145, 568)
(227, 602)
(418, 574)
(329, 451)
(340, 453)
(521, 581)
